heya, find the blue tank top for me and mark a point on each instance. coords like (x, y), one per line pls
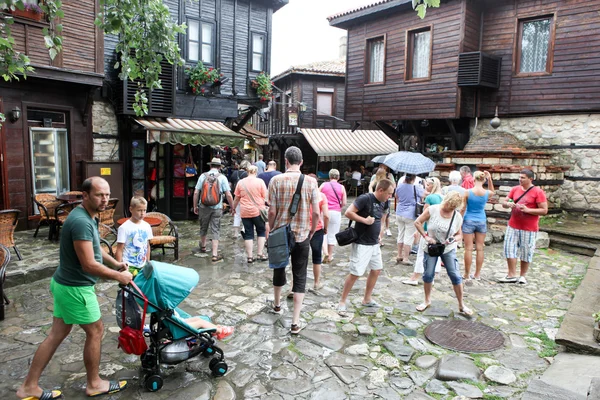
(476, 206)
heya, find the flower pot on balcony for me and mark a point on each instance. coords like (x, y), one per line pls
(28, 14)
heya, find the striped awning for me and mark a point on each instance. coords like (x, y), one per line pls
(190, 131)
(343, 144)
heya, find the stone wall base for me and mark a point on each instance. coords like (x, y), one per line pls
(106, 131)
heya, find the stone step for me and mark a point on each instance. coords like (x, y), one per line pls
(572, 244)
(584, 233)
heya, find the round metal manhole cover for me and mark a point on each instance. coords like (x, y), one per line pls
(465, 336)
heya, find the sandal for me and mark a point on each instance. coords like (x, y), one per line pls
(262, 257)
(202, 249)
(216, 258)
(466, 311)
(47, 394)
(422, 307)
(226, 331)
(250, 260)
(113, 387)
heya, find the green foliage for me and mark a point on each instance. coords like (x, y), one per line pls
(200, 75)
(596, 317)
(147, 36)
(420, 6)
(52, 38)
(264, 86)
(549, 346)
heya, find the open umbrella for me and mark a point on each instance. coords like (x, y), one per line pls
(379, 159)
(410, 163)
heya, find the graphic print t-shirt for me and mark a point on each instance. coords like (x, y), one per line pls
(135, 237)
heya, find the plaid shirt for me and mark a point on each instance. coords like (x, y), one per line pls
(281, 190)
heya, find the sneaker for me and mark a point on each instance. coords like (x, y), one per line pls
(296, 328)
(508, 279)
(226, 331)
(522, 280)
(273, 308)
(388, 232)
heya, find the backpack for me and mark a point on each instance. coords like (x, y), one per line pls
(211, 191)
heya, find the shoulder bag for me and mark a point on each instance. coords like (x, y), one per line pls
(418, 206)
(349, 235)
(190, 167)
(263, 211)
(336, 195)
(281, 241)
(437, 249)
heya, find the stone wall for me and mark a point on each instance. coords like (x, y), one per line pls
(104, 122)
(561, 130)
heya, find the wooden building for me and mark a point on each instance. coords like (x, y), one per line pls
(440, 80)
(233, 36)
(42, 150)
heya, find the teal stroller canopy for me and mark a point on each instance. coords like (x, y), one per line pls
(165, 285)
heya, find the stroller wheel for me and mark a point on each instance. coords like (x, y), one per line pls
(208, 352)
(217, 367)
(153, 383)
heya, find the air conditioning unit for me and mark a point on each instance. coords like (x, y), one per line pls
(479, 70)
(160, 101)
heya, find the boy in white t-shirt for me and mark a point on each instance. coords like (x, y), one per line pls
(133, 237)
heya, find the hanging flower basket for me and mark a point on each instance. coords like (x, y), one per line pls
(263, 86)
(203, 80)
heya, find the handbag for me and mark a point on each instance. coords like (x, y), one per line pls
(281, 241)
(132, 340)
(437, 249)
(418, 206)
(350, 235)
(264, 213)
(190, 167)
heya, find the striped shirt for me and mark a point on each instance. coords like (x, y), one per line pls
(281, 190)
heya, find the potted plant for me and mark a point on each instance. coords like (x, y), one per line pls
(263, 86)
(597, 326)
(30, 11)
(204, 80)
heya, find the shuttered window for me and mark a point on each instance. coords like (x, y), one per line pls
(200, 41)
(375, 60)
(534, 46)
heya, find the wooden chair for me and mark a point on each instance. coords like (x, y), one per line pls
(107, 217)
(4, 260)
(61, 213)
(108, 238)
(8, 223)
(355, 185)
(170, 240)
(46, 204)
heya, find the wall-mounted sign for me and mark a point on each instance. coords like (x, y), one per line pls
(293, 116)
(105, 171)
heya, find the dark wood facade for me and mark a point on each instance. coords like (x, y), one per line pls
(571, 85)
(61, 90)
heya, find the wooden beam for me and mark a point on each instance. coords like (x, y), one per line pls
(452, 129)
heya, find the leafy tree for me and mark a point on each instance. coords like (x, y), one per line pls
(420, 6)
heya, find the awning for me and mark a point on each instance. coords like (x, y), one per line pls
(190, 131)
(254, 134)
(343, 144)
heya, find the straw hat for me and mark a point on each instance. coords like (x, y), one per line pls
(215, 161)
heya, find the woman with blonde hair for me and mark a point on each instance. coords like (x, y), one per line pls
(336, 199)
(251, 194)
(443, 227)
(433, 188)
(475, 221)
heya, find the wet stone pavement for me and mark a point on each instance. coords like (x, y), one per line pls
(371, 353)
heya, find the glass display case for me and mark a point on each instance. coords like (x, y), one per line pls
(49, 160)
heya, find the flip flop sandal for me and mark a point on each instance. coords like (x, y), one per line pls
(466, 311)
(250, 260)
(113, 387)
(262, 257)
(422, 307)
(216, 258)
(46, 395)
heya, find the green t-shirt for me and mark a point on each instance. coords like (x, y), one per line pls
(432, 200)
(78, 226)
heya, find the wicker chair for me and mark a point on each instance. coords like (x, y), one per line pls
(46, 204)
(8, 223)
(4, 260)
(108, 238)
(61, 213)
(75, 192)
(107, 217)
(170, 240)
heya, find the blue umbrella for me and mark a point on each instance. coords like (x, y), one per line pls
(378, 159)
(410, 163)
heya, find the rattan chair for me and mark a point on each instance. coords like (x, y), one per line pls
(108, 238)
(61, 213)
(75, 192)
(8, 223)
(170, 240)
(4, 260)
(46, 204)
(107, 217)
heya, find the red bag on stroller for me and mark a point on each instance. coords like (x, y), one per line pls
(131, 340)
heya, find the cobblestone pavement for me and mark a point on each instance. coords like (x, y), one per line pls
(380, 353)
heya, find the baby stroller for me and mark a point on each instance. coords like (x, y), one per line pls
(158, 289)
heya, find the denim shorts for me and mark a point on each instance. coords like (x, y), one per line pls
(470, 227)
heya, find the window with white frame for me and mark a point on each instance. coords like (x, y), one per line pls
(200, 41)
(258, 52)
(533, 48)
(325, 102)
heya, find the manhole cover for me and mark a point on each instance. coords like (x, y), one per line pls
(465, 336)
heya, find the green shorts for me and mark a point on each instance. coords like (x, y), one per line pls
(75, 305)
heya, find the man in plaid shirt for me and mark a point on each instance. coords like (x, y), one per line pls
(281, 191)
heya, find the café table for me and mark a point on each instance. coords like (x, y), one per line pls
(150, 220)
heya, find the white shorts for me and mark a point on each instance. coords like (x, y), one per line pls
(335, 219)
(406, 230)
(365, 256)
(419, 264)
(237, 218)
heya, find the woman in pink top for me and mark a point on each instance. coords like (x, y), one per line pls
(250, 194)
(336, 199)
